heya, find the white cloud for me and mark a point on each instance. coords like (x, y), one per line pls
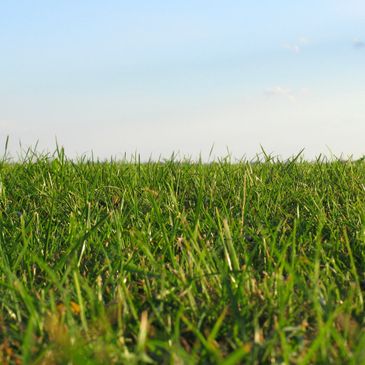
(357, 43)
(303, 40)
(285, 92)
(280, 91)
(293, 48)
(297, 46)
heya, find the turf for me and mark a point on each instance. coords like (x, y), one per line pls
(177, 262)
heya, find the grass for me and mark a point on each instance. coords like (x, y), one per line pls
(182, 263)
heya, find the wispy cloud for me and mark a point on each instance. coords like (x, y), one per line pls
(357, 43)
(285, 92)
(280, 91)
(296, 47)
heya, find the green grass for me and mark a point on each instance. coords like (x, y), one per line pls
(182, 263)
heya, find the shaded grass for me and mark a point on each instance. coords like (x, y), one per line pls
(182, 263)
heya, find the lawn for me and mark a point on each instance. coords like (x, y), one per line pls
(181, 262)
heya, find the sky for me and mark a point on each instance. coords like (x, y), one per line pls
(154, 77)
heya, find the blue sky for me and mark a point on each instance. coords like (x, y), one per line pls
(155, 77)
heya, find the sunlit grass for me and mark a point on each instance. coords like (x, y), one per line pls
(178, 262)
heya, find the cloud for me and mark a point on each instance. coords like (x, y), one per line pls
(357, 43)
(280, 91)
(285, 92)
(297, 46)
(303, 40)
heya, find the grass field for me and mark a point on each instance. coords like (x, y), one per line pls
(182, 263)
